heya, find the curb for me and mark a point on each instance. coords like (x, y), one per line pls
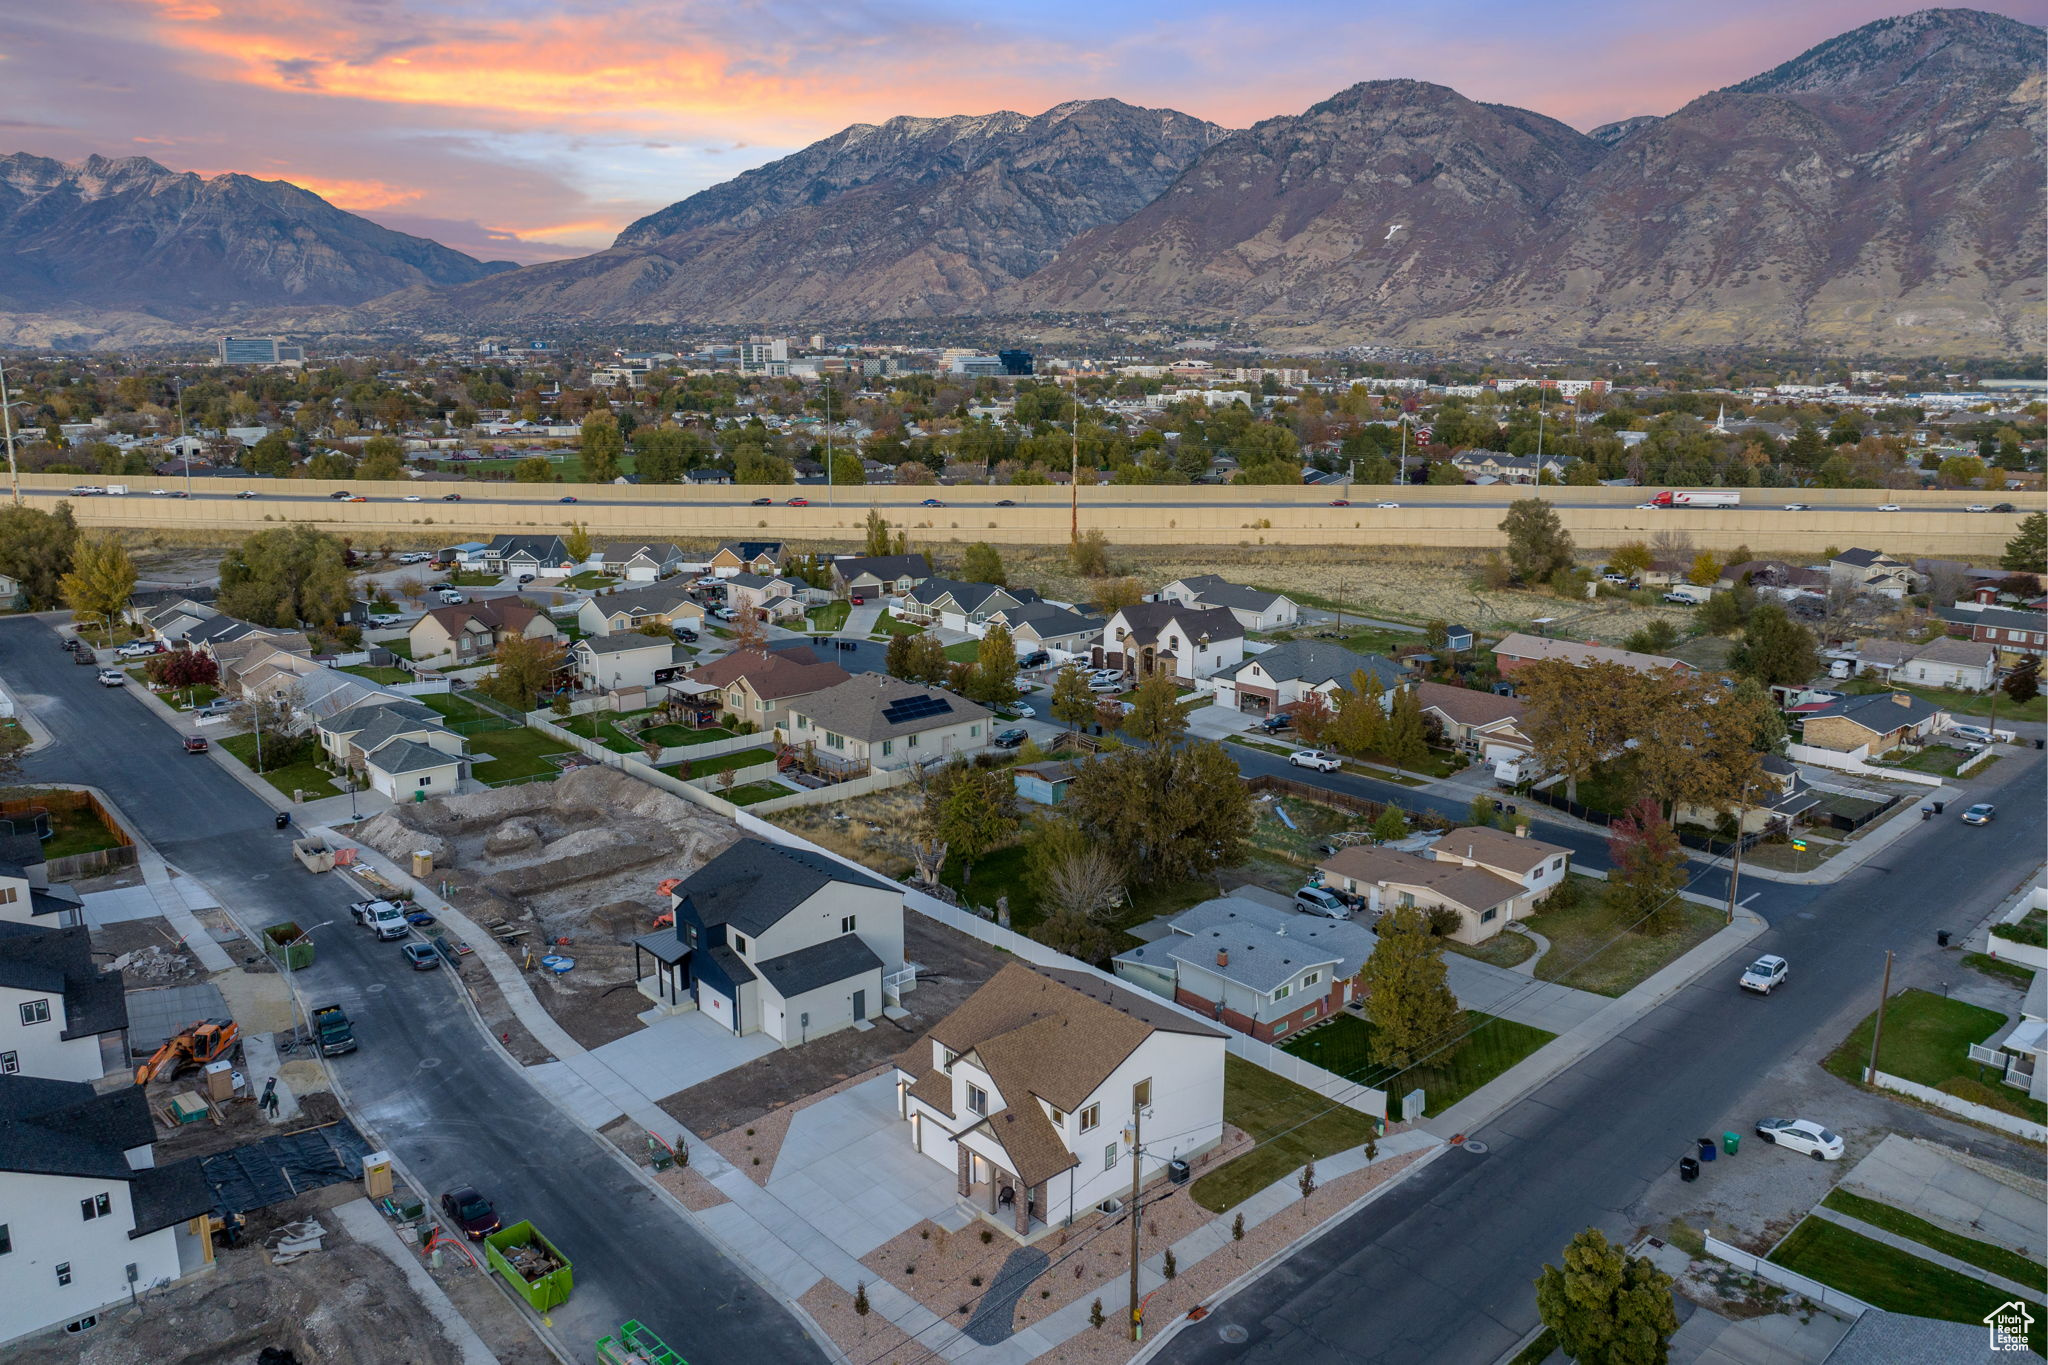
(1216, 1301)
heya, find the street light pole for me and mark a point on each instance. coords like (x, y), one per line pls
(1741, 810)
(7, 419)
(178, 387)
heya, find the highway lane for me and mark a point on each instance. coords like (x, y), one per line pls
(1443, 1269)
(428, 1083)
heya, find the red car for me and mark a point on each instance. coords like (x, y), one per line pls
(798, 502)
(195, 744)
(1340, 502)
(471, 1212)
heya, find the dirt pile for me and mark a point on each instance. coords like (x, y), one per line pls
(577, 857)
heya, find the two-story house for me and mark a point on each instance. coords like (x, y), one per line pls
(1255, 608)
(1537, 867)
(2016, 635)
(869, 576)
(775, 940)
(746, 556)
(471, 632)
(1873, 571)
(1028, 1092)
(760, 685)
(88, 1215)
(1457, 876)
(1252, 967)
(628, 609)
(875, 722)
(957, 605)
(61, 1017)
(1166, 637)
(26, 893)
(778, 597)
(620, 663)
(1284, 675)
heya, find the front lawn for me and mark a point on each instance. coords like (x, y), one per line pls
(885, 624)
(1942, 760)
(1891, 1279)
(966, 652)
(1984, 1255)
(753, 792)
(828, 617)
(379, 675)
(719, 763)
(1291, 1125)
(183, 698)
(1505, 949)
(2017, 973)
(1927, 1039)
(1491, 1046)
(305, 775)
(590, 578)
(1961, 703)
(514, 753)
(475, 578)
(1593, 948)
(675, 736)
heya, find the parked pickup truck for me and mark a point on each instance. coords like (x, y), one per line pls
(332, 1027)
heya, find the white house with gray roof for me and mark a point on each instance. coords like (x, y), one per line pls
(876, 722)
(1285, 674)
(1252, 967)
(1255, 608)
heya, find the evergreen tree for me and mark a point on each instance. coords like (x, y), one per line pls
(982, 564)
(877, 542)
(1409, 1000)
(1072, 702)
(1405, 741)
(1775, 650)
(1607, 1308)
(2026, 552)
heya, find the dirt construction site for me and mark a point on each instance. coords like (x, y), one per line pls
(570, 868)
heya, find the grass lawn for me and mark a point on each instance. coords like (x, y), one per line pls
(399, 645)
(1291, 1124)
(379, 675)
(1591, 950)
(719, 763)
(2017, 973)
(1984, 1255)
(184, 698)
(475, 578)
(966, 652)
(829, 616)
(603, 728)
(1891, 1279)
(589, 578)
(75, 831)
(885, 624)
(1940, 759)
(1492, 1046)
(456, 709)
(507, 754)
(304, 775)
(749, 793)
(674, 736)
(1000, 873)
(1502, 950)
(1927, 1039)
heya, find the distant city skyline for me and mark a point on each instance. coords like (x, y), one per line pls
(533, 129)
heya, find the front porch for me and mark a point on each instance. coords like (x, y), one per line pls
(994, 1195)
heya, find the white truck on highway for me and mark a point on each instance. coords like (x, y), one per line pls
(1695, 497)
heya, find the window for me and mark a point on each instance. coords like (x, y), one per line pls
(946, 1059)
(6, 1240)
(1141, 1093)
(761, 704)
(977, 1100)
(35, 1012)
(424, 781)
(1109, 1156)
(1282, 992)
(1556, 863)
(96, 1206)
(689, 935)
(1487, 917)
(911, 742)
(1310, 979)
(1059, 1119)
(9, 894)
(739, 944)
(888, 747)
(1090, 1117)
(63, 1273)
(1407, 900)
(1279, 1028)
(846, 924)
(10, 1063)
(833, 741)
(973, 731)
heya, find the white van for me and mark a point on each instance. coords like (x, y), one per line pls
(451, 598)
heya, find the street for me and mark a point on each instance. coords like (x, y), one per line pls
(429, 1085)
(1443, 1268)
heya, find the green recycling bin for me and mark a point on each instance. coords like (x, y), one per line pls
(1730, 1142)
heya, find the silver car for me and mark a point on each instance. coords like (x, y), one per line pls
(1316, 900)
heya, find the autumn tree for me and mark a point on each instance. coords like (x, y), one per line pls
(383, 459)
(1775, 650)
(1538, 544)
(1648, 869)
(1089, 555)
(526, 667)
(1631, 559)
(877, 541)
(1360, 723)
(101, 578)
(1155, 716)
(1579, 716)
(1311, 715)
(1605, 1307)
(36, 549)
(1414, 1013)
(2023, 684)
(994, 682)
(896, 659)
(1705, 570)
(926, 660)
(176, 668)
(1115, 594)
(1172, 814)
(1072, 702)
(602, 447)
(533, 469)
(750, 629)
(1404, 741)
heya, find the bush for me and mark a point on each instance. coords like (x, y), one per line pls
(1569, 894)
(1444, 921)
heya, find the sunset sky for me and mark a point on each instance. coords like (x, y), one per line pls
(530, 129)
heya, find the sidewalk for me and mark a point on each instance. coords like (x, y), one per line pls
(2031, 1293)
(1889, 831)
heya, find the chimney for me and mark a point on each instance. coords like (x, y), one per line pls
(1521, 831)
(1902, 699)
(1223, 957)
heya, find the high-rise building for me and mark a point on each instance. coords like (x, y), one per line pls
(764, 355)
(259, 351)
(1015, 362)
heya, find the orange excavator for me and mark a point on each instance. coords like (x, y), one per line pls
(194, 1045)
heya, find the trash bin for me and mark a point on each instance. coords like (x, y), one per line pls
(2041, 744)
(1688, 1169)
(1938, 806)
(284, 819)
(1731, 1143)
(1941, 938)
(1706, 1149)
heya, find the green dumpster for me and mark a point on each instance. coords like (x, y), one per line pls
(288, 946)
(1730, 1142)
(635, 1345)
(531, 1265)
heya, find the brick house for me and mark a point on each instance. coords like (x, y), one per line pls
(1876, 724)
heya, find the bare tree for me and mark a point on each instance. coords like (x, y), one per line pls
(1672, 545)
(1086, 882)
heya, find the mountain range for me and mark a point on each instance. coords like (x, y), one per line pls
(1879, 193)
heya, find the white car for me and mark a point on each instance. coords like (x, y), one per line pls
(1802, 1135)
(1977, 507)
(1797, 507)
(1766, 974)
(1887, 507)
(86, 490)
(1646, 507)
(113, 677)
(1321, 902)
(1388, 506)
(1105, 684)
(1315, 758)
(411, 497)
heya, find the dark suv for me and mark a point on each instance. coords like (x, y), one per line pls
(1010, 739)
(471, 1212)
(1277, 722)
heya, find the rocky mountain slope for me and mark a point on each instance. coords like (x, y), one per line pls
(130, 235)
(910, 218)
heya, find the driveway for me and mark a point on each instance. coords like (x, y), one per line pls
(848, 1168)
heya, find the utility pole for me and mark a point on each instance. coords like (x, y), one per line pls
(828, 439)
(1877, 1030)
(1074, 473)
(178, 387)
(1741, 810)
(1137, 1172)
(7, 418)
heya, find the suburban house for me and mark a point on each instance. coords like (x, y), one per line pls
(1876, 724)
(1537, 866)
(408, 770)
(536, 555)
(1166, 637)
(776, 940)
(879, 575)
(1026, 1090)
(641, 563)
(1774, 578)
(873, 721)
(1873, 571)
(705, 475)
(627, 609)
(613, 663)
(1267, 683)
(956, 605)
(11, 596)
(1062, 633)
(1252, 967)
(261, 671)
(1254, 608)
(776, 596)
(474, 630)
(1484, 723)
(61, 1017)
(1879, 658)
(1497, 466)
(26, 893)
(1044, 783)
(1519, 651)
(2021, 1050)
(760, 685)
(2016, 635)
(747, 556)
(1966, 665)
(1485, 897)
(170, 622)
(218, 630)
(91, 1217)
(1781, 799)
(351, 734)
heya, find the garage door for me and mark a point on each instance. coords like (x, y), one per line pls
(718, 1006)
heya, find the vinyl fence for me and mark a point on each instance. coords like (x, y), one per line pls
(1789, 1279)
(1976, 1113)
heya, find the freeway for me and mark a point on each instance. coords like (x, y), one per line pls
(426, 1081)
(1443, 1268)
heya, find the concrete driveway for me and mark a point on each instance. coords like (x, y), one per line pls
(847, 1168)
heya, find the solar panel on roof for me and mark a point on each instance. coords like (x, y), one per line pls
(915, 708)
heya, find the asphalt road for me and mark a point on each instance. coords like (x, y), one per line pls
(429, 1085)
(1443, 1268)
